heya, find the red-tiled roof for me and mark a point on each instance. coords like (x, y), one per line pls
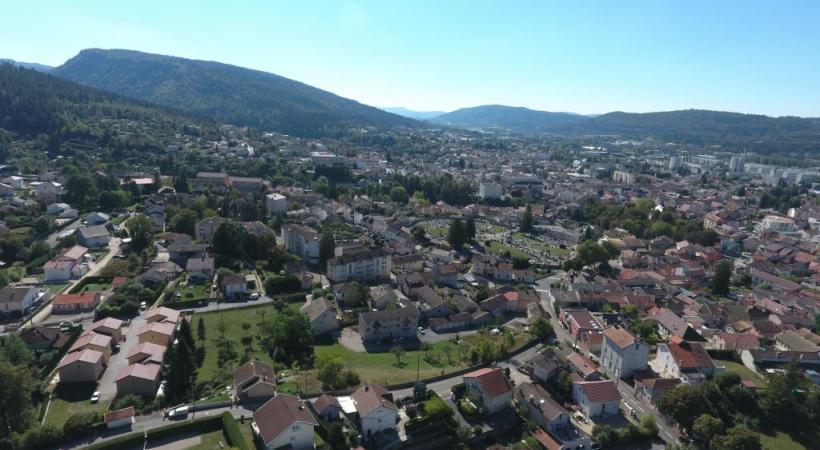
(599, 391)
(111, 416)
(278, 414)
(492, 381)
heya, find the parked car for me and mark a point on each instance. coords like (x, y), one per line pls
(178, 413)
(95, 397)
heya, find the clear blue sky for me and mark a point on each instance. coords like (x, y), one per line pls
(586, 57)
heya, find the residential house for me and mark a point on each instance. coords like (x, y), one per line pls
(200, 270)
(622, 353)
(75, 303)
(43, 338)
(757, 360)
(276, 203)
(489, 389)
(597, 398)
(284, 422)
(66, 266)
(206, 228)
(431, 304)
(652, 389)
(179, 252)
(376, 410)
(159, 333)
(97, 218)
(93, 341)
(322, 316)
(96, 236)
(147, 353)
(119, 418)
(84, 366)
(583, 367)
(328, 408)
(108, 326)
(233, 286)
(688, 361)
(544, 364)
(254, 381)
(138, 379)
(556, 432)
(162, 314)
(16, 299)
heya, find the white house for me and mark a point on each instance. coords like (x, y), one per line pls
(688, 361)
(554, 420)
(276, 203)
(322, 316)
(360, 265)
(489, 389)
(377, 412)
(596, 398)
(17, 299)
(284, 422)
(67, 265)
(622, 353)
(94, 236)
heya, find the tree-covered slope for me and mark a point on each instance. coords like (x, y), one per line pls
(510, 118)
(224, 93)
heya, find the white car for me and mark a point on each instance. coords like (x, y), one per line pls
(95, 397)
(178, 413)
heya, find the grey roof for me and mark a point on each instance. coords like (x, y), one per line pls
(93, 231)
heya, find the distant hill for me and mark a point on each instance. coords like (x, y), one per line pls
(35, 104)
(510, 118)
(755, 132)
(225, 93)
(38, 67)
(418, 115)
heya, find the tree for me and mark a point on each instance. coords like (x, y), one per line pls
(15, 351)
(181, 376)
(181, 183)
(287, 336)
(327, 247)
(780, 401)
(456, 236)
(589, 252)
(336, 438)
(333, 375)
(527, 220)
(684, 404)
(184, 334)
(542, 330)
(228, 238)
(42, 225)
(78, 187)
(737, 438)
(469, 229)
(418, 233)
(185, 222)
(15, 396)
(398, 352)
(708, 427)
(139, 228)
(723, 276)
(200, 330)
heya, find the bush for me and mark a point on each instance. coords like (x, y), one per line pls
(39, 437)
(233, 435)
(129, 400)
(80, 423)
(458, 390)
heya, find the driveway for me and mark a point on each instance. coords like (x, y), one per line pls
(54, 237)
(107, 384)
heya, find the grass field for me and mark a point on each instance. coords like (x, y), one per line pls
(554, 250)
(192, 291)
(96, 287)
(743, 371)
(56, 288)
(70, 400)
(500, 249)
(374, 367)
(779, 441)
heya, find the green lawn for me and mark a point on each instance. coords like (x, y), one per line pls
(374, 367)
(96, 287)
(72, 399)
(780, 441)
(437, 232)
(500, 249)
(56, 288)
(554, 250)
(192, 291)
(743, 371)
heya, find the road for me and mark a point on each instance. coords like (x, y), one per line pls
(666, 431)
(113, 249)
(156, 420)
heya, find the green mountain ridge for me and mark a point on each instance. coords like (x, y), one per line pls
(225, 93)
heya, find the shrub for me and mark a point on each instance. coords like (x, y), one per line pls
(233, 435)
(80, 423)
(39, 437)
(129, 400)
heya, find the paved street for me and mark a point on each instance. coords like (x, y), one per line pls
(107, 384)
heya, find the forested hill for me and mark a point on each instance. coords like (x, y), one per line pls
(225, 93)
(702, 126)
(510, 118)
(35, 105)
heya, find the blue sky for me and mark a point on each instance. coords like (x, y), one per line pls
(580, 56)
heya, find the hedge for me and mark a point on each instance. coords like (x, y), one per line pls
(89, 280)
(73, 336)
(232, 432)
(185, 304)
(204, 425)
